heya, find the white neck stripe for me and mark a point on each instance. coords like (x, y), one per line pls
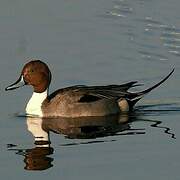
(34, 105)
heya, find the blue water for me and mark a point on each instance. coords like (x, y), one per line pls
(92, 42)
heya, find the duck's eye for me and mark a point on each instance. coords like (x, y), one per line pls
(31, 70)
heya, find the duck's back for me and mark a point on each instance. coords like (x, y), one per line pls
(76, 102)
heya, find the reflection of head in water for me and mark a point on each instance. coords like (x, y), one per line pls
(36, 158)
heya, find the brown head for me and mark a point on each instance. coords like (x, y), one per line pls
(35, 73)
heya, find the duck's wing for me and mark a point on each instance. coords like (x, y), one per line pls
(109, 91)
(119, 91)
(83, 93)
(121, 87)
(88, 93)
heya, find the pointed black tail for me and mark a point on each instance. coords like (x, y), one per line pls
(135, 97)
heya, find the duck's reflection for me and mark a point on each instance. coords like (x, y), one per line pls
(38, 158)
(87, 127)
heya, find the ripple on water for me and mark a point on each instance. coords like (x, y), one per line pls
(152, 24)
(168, 34)
(170, 38)
(152, 56)
(152, 38)
(120, 9)
(166, 37)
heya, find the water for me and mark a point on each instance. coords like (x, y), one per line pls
(93, 42)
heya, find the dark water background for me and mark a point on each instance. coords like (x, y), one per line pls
(94, 42)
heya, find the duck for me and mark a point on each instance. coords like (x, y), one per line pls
(78, 100)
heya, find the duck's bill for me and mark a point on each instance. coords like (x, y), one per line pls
(19, 83)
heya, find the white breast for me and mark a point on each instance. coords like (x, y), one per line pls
(34, 105)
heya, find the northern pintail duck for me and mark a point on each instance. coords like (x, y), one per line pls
(75, 101)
